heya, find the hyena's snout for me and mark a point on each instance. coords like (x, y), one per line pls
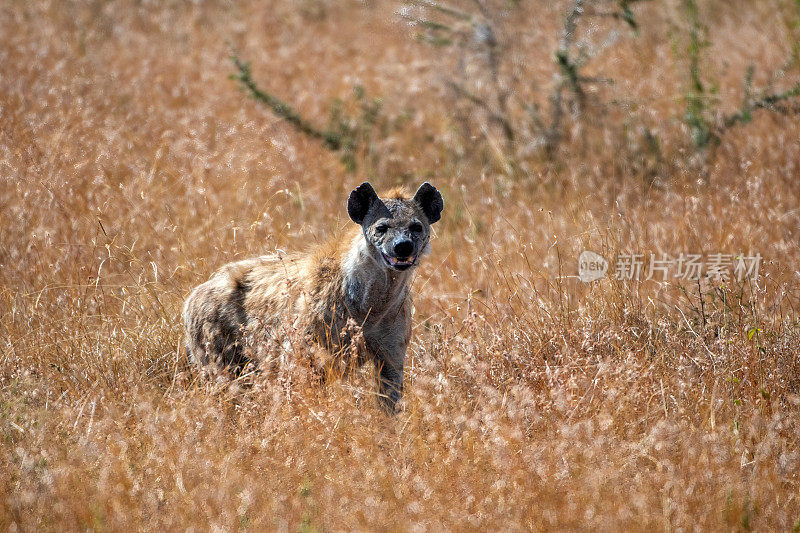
(401, 253)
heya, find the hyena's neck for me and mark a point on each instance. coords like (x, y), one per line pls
(371, 289)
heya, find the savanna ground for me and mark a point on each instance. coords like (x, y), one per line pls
(131, 167)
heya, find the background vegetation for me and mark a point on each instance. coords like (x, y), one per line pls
(131, 167)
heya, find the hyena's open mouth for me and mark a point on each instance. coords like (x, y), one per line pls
(397, 263)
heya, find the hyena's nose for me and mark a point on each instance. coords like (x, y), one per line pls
(403, 248)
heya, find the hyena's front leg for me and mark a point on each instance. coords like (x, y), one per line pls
(389, 366)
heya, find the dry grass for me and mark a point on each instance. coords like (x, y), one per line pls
(130, 168)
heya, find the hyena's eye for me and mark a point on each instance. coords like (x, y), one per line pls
(416, 227)
(382, 228)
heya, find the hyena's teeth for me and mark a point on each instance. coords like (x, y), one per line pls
(396, 261)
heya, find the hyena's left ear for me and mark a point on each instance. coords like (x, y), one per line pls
(429, 199)
(361, 200)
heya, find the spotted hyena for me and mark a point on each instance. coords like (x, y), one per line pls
(349, 296)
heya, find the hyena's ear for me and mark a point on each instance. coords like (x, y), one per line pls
(361, 200)
(429, 199)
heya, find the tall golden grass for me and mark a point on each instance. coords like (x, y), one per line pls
(131, 168)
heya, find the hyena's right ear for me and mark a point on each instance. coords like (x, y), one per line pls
(361, 200)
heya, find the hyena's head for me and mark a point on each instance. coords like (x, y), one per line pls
(397, 228)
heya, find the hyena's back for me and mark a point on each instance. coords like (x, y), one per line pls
(218, 312)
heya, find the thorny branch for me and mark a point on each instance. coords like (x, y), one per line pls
(778, 102)
(331, 139)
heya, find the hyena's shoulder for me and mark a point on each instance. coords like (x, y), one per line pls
(323, 267)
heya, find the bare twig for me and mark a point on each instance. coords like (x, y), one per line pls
(499, 118)
(443, 8)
